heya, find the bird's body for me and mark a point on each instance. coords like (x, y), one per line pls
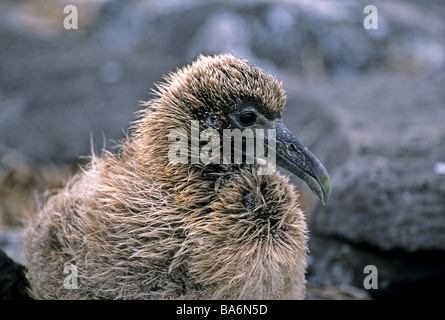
(135, 226)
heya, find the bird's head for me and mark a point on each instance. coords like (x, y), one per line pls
(224, 92)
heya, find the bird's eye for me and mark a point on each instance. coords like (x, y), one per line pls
(247, 119)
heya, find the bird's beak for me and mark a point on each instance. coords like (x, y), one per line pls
(293, 156)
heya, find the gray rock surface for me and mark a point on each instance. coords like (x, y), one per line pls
(11, 243)
(389, 192)
(387, 207)
(55, 96)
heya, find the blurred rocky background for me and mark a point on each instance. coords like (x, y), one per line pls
(370, 104)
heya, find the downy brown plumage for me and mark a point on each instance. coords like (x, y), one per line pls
(137, 226)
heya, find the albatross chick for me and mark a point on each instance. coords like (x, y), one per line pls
(136, 225)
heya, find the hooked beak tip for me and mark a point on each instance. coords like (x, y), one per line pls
(326, 188)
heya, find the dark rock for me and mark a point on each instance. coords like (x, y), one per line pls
(400, 274)
(13, 283)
